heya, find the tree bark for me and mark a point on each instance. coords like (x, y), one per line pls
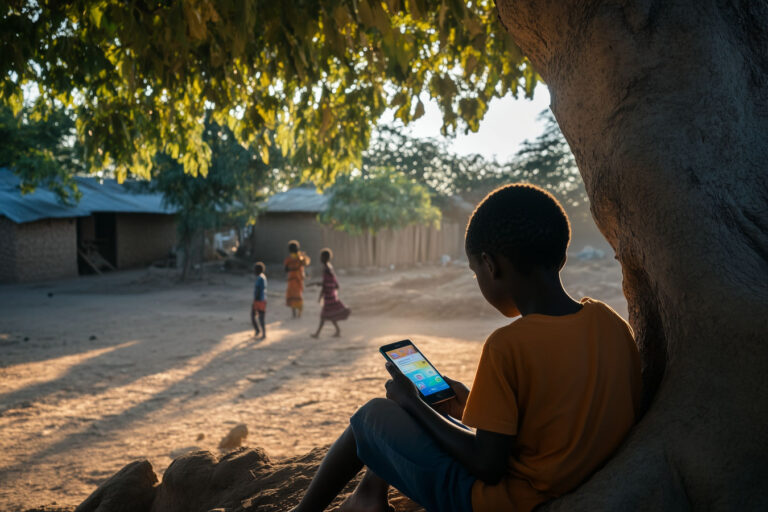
(187, 244)
(665, 106)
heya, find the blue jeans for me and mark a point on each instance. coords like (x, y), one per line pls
(398, 449)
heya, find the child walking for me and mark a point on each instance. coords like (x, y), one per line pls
(555, 393)
(333, 309)
(294, 287)
(259, 301)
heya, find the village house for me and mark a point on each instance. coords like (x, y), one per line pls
(110, 227)
(293, 215)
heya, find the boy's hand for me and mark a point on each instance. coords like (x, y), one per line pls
(399, 388)
(455, 406)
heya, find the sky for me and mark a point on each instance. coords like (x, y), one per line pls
(506, 125)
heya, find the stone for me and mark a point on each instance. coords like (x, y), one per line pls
(234, 439)
(244, 480)
(132, 489)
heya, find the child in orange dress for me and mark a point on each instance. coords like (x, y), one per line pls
(294, 286)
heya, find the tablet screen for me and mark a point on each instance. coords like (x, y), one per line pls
(417, 368)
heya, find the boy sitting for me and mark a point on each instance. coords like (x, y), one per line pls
(555, 392)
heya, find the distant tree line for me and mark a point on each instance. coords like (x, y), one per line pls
(545, 160)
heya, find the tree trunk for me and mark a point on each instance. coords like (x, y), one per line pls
(665, 106)
(187, 244)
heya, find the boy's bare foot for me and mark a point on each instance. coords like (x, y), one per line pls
(370, 495)
(361, 502)
(315, 335)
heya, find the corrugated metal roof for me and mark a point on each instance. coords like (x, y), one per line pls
(98, 196)
(300, 199)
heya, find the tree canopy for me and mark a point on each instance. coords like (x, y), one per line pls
(379, 199)
(311, 77)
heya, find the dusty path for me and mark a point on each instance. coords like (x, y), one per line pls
(130, 365)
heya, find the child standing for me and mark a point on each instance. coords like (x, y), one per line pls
(259, 301)
(555, 393)
(333, 309)
(294, 286)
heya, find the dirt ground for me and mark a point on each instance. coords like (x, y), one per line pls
(98, 371)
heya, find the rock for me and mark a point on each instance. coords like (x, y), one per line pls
(132, 489)
(200, 436)
(242, 481)
(92, 337)
(235, 437)
(197, 483)
(185, 483)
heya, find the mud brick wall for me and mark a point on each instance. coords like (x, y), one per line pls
(143, 238)
(35, 251)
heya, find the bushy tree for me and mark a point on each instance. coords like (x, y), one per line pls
(228, 195)
(41, 147)
(378, 199)
(428, 161)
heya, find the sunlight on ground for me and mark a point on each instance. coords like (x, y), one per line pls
(50, 369)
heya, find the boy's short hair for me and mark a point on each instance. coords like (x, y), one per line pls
(327, 251)
(293, 246)
(522, 222)
(258, 267)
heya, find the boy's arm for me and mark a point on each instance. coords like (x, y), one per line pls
(484, 454)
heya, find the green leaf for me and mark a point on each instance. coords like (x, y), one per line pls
(96, 11)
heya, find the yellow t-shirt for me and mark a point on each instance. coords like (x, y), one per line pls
(568, 387)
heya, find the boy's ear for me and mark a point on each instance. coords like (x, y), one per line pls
(491, 264)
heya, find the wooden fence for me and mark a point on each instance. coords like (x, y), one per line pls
(407, 246)
(413, 244)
